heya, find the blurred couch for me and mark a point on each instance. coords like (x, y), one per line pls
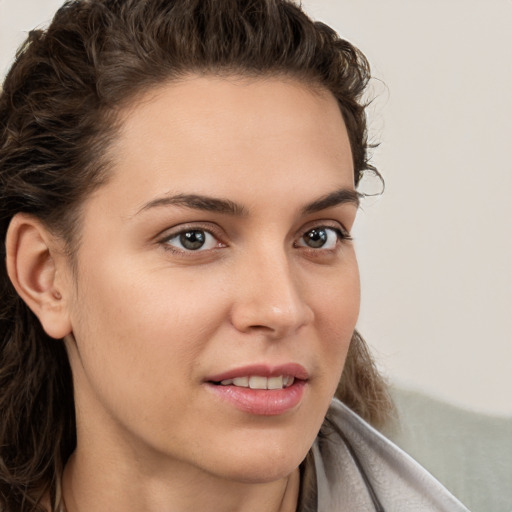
(470, 453)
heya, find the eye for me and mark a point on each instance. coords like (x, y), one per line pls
(321, 237)
(192, 240)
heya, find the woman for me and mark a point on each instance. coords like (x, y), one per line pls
(180, 293)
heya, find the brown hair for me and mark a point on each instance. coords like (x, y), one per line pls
(58, 113)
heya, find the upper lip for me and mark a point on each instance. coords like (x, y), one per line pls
(262, 370)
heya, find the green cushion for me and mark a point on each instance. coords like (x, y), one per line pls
(470, 453)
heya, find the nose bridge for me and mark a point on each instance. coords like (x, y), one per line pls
(270, 298)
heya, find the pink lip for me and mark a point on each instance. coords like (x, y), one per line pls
(263, 402)
(291, 370)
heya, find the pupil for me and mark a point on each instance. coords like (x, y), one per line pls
(192, 239)
(316, 237)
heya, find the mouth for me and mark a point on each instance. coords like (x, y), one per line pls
(261, 390)
(259, 382)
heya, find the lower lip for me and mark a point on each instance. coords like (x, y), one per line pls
(262, 402)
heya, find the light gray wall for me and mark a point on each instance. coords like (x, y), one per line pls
(17, 18)
(436, 249)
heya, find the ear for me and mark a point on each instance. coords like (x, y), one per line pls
(37, 269)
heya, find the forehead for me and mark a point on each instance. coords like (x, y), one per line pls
(232, 133)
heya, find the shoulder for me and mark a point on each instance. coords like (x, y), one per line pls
(359, 469)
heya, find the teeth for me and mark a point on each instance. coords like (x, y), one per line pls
(242, 382)
(275, 382)
(258, 382)
(288, 381)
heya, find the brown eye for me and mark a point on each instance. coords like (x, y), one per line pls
(192, 240)
(320, 238)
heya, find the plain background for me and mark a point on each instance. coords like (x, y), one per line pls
(435, 249)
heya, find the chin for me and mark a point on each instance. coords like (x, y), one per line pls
(261, 475)
(259, 464)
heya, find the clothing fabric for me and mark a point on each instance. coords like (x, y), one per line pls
(359, 470)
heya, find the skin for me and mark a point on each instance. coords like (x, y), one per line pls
(147, 321)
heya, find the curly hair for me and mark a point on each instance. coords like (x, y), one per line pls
(58, 115)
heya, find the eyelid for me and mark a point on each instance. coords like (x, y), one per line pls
(210, 227)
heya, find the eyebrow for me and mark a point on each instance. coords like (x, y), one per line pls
(198, 202)
(336, 198)
(226, 206)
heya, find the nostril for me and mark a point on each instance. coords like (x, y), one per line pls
(260, 328)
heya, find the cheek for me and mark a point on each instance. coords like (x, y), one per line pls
(337, 299)
(336, 313)
(145, 322)
(136, 336)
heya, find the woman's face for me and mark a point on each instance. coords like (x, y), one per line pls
(217, 251)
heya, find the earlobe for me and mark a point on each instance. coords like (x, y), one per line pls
(34, 265)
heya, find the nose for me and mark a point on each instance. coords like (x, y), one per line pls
(269, 299)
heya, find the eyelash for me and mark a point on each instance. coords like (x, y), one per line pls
(342, 236)
(189, 229)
